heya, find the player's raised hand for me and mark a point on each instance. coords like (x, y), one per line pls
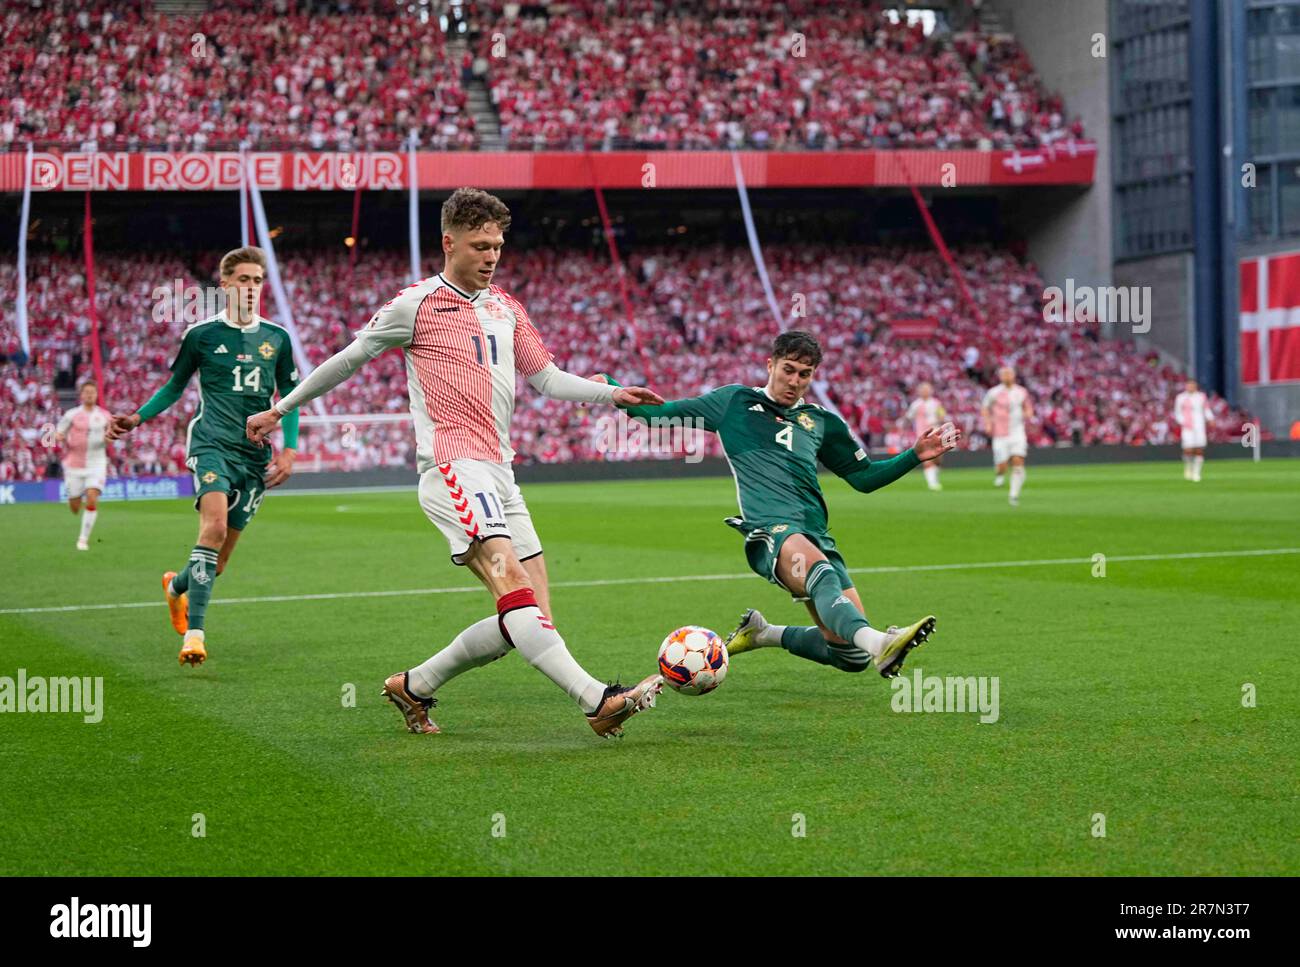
(280, 468)
(119, 426)
(936, 441)
(259, 425)
(637, 396)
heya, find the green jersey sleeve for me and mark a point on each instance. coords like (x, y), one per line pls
(842, 456)
(183, 367)
(709, 408)
(286, 378)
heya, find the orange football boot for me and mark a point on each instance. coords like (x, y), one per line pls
(177, 604)
(193, 652)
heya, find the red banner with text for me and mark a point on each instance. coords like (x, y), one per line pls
(1068, 163)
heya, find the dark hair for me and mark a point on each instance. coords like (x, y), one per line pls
(471, 208)
(799, 345)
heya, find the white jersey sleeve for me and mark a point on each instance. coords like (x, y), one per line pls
(556, 384)
(393, 325)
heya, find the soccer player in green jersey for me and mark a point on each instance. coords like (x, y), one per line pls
(773, 439)
(242, 359)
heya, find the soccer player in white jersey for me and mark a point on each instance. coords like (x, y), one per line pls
(1192, 410)
(926, 412)
(85, 458)
(464, 340)
(1003, 413)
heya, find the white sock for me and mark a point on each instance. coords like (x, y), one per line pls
(1017, 481)
(1196, 467)
(931, 474)
(88, 523)
(870, 640)
(477, 645)
(1187, 467)
(769, 637)
(194, 633)
(533, 634)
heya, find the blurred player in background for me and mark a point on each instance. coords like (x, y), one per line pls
(242, 359)
(85, 457)
(774, 439)
(924, 412)
(1191, 410)
(1003, 414)
(464, 340)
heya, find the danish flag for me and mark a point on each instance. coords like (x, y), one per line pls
(1270, 319)
(1019, 163)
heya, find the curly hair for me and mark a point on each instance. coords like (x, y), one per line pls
(471, 208)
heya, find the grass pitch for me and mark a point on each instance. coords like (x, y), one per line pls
(1120, 695)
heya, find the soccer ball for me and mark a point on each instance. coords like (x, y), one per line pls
(693, 660)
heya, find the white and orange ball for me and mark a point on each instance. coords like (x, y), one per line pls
(693, 660)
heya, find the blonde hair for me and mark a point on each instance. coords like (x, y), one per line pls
(249, 253)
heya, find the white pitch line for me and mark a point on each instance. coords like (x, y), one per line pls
(611, 582)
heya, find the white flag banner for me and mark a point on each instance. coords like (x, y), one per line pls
(277, 287)
(21, 308)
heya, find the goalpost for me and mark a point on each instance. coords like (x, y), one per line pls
(355, 441)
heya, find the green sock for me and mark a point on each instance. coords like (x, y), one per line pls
(202, 574)
(837, 612)
(181, 582)
(810, 643)
(807, 643)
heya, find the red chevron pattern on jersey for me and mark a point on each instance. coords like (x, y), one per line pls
(459, 500)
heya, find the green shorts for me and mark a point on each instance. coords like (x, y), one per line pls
(763, 550)
(243, 482)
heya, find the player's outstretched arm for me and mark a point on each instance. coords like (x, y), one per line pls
(183, 367)
(390, 326)
(169, 393)
(707, 409)
(554, 383)
(843, 457)
(324, 378)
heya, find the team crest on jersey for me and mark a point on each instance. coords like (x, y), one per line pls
(267, 350)
(806, 422)
(780, 528)
(494, 310)
(209, 477)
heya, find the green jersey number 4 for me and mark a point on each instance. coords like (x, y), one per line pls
(785, 437)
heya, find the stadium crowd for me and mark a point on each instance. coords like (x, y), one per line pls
(366, 75)
(759, 75)
(1086, 390)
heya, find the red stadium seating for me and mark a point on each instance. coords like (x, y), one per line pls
(806, 74)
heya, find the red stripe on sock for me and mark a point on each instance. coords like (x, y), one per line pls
(513, 600)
